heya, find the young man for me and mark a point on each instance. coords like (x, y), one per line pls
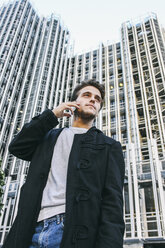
(72, 197)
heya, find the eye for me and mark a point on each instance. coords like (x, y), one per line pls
(86, 94)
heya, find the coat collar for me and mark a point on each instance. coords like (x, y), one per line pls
(97, 136)
(94, 129)
(91, 134)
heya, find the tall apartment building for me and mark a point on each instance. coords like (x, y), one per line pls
(143, 54)
(37, 71)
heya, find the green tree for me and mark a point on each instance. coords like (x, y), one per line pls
(2, 183)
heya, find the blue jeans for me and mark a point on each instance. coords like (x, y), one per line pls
(48, 233)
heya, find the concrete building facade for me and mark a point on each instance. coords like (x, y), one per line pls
(38, 70)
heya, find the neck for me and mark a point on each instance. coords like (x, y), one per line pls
(77, 122)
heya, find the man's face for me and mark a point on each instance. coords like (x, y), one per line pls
(90, 100)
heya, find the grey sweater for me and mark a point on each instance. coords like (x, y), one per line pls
(53, 199)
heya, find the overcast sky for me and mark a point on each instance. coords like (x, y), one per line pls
(93, 21)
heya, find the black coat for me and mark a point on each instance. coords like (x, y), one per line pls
(95, 176)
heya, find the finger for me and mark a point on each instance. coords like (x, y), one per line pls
(73, 104)
(67, 114)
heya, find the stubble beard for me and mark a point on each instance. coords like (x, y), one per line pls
(86, 117)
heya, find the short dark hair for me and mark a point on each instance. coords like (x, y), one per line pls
(90, 82)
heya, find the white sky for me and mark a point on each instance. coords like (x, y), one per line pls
(93, 21)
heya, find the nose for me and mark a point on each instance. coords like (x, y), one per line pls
(92, 99)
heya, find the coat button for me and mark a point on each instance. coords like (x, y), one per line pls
(83, 164)
(83, 195)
